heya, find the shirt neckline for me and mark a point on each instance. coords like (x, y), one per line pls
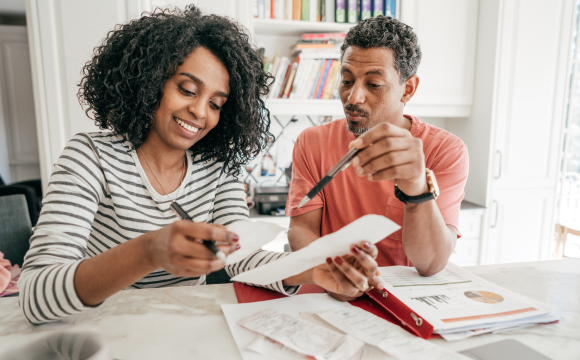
(154, 194)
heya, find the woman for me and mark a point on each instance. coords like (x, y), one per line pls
(181, 96)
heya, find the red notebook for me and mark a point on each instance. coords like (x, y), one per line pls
(389, 308)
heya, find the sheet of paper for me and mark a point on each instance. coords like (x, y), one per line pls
(458, 299)
(275, 350)
(301, 335)
(388, 337)
(268, 347)
(293, 305)
(253, 235)
(372, 228)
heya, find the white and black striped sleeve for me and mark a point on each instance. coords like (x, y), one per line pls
(59, 240)
(230, 201)
(259, 258)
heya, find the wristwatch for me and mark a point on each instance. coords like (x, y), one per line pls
(433, 193)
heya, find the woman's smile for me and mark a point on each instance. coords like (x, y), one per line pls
(187, 128)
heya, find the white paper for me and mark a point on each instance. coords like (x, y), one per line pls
(372, 228)
(456, 299)
(253, 235)
(301, 335)
(268, 347)
(388, 337)
(293, 305)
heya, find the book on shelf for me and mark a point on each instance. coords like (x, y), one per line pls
(310, 10)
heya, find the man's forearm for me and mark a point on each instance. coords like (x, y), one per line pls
(427, 240)
(299, 237)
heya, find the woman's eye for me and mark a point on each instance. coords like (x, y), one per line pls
(185, 91)
(214, 106)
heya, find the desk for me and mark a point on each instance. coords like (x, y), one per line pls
(187, 322)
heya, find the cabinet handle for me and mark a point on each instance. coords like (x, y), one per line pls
(495, 217)
(499, 168)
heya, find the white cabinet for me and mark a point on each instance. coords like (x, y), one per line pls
(514, 132)
(447, 35)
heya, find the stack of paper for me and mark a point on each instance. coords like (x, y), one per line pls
(459, 304)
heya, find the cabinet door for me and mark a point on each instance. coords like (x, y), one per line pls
(447, 35)
(519, 226)
(530, 96)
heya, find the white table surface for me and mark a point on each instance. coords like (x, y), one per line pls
(187, 322)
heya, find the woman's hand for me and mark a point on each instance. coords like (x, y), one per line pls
(347, 277)
(177, 248)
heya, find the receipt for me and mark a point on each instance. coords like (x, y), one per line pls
(386, 336)
(372, 228)
(252, 236)
(266, 346)
(302, 336)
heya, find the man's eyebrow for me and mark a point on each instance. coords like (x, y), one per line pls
(375, 72)
(346, 70)
(198, 80)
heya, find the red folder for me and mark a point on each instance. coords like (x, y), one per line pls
(389, 308)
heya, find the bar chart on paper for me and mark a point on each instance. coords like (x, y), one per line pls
(411, 279)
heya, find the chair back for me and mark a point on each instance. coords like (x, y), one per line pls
(15, 228)
(562, 233)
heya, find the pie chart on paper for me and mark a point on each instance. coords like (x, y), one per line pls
(484, 297)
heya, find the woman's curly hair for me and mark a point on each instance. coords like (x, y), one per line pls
(122, 84)
(382, 31)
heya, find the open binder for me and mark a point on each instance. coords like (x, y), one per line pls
(381, 304)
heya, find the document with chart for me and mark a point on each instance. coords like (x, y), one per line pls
(457, 300)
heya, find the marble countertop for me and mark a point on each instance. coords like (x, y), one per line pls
(187, 322)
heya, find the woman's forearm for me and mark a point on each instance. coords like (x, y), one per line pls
(101, 276)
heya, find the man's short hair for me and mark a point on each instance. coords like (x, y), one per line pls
(382, 31)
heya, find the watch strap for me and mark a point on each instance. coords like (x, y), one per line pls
(413, 199)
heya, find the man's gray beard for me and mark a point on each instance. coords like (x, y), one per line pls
(359, 130)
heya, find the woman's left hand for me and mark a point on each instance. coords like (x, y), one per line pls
(348, 277)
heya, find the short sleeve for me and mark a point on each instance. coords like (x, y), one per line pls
(304, 177)
(451, 167)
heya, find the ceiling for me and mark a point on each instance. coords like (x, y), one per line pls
(13, 7)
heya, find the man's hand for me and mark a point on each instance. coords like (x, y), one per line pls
(348, 277)
(392, 153)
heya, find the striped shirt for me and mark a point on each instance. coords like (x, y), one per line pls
(98, 197)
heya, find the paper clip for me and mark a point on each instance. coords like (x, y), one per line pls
(418, 320)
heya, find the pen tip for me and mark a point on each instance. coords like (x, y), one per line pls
(303, 202)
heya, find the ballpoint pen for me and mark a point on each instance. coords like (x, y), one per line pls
(341, 165)
(180, 213)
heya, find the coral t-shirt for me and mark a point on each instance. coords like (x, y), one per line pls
(348, 197)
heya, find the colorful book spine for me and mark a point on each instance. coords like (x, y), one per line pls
(340, 11)
(331, 79)
(291, 77)
(298, 78)
(390, 8)
(296, 9)
(310, 79)
(365, 9)
(284, 81)
(378, 8)
(319, 76)
(324, 79)
(305, 10)
(351, 12)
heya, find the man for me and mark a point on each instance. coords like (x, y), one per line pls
(380, 57)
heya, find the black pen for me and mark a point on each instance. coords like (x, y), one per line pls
(180, 213)
(341, 165)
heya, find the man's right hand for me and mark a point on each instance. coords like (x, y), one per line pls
(177, 248)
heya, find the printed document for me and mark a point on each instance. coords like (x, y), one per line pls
(457, 300)
(372, 228)
(388, 337)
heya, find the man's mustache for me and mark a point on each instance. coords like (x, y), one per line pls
(356, 110)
